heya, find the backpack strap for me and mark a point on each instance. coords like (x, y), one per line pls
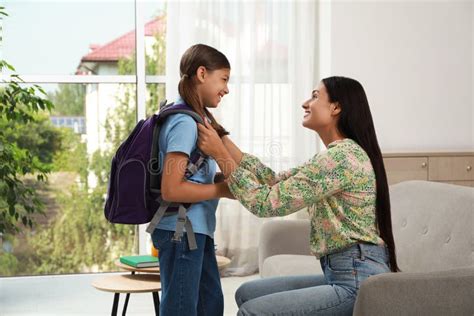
(193, 166)
(196, 158)
(182, 222)
(158, 214)
(195, 162)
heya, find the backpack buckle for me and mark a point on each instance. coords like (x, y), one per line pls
(178, 234)
(176, 238)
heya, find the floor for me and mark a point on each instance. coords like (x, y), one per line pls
(73, 295)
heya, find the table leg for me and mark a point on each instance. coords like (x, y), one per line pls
(115, 306)
(127, 297)
(156, 302)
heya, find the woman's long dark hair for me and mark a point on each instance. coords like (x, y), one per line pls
(194, 57)
(356, 122)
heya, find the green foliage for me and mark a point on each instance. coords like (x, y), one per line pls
(2, 11)
(19, 106)
(8, 264)
(73, 154)
(39, 136)
(80, 239)
(68, 100)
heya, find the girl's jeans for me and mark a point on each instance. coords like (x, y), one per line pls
(190, 280)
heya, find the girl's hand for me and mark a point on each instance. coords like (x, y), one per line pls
(209, 141)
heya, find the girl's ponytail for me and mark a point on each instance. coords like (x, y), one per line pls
(221, 131)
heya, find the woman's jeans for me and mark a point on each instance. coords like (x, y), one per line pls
(333, 293)
(190, 280)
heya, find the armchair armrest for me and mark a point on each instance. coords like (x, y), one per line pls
(435, 293)
(283, 237)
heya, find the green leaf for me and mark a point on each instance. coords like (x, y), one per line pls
(41, 104)
(12, 210)
(10, 67)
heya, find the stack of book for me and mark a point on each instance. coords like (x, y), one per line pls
(140, 261)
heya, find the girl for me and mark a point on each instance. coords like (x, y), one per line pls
(190, 279)
(345, 189)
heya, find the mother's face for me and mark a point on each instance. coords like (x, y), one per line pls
(319, 112)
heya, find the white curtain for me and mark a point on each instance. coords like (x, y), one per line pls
(272, 47)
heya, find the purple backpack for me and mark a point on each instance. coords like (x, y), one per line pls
(134, 191)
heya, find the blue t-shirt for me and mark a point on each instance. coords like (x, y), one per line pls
(179, 134)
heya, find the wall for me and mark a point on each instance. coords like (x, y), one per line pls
(415, 60)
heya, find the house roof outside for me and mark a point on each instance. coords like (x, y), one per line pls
(121, 47)
(124, 45)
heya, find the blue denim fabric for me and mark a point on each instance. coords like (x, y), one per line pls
(190, 280)
(333, 293)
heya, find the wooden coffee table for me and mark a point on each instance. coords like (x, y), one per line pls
(147, 282)
(130, 283)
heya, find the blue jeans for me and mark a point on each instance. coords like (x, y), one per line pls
(333, 293)
(190, 280)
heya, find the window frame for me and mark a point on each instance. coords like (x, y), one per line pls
(140, 79)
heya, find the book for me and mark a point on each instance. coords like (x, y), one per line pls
(140, 261)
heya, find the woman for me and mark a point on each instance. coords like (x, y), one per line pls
(345, 189)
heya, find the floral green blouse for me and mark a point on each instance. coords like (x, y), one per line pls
(337, 186)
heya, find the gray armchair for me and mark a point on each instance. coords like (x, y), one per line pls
(433, 226)
(284, 249)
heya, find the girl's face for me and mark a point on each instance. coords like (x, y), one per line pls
(212, 85)
(319, 112)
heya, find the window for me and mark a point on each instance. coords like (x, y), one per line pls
(102, 73)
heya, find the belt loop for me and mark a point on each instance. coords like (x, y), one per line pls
(361, 249)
